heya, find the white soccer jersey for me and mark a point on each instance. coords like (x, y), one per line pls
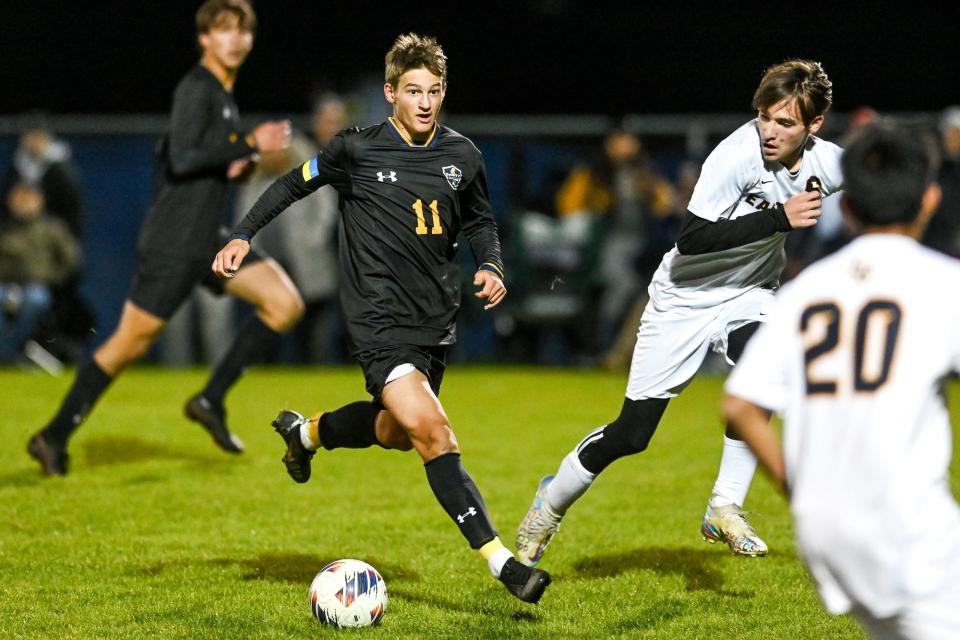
(854, 358)
(735, 181)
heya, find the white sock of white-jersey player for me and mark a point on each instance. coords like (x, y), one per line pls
(737, 466)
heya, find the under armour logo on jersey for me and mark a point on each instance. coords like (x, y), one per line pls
(226, 112)
(381, 176)
(453, 175)
(463, 517)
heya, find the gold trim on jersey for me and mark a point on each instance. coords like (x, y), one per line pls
(495, 268)
(406, 137)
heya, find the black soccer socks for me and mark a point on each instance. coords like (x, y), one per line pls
(630, 433)
(88, 386)
(352, 426)
(253, 343)
(460, 498)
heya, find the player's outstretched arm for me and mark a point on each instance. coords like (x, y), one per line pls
(491, 288)
(699, 235)
(228, 260)
(751, 423)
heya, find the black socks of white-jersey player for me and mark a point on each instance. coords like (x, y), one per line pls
(630, 433)
(254, 343)
(88, 386)
(460, 498)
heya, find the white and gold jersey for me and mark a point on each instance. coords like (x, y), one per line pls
(735, 181)
(854, 357)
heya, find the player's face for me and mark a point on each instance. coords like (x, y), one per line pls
(783, 134)
(416, 101)
(226, 44)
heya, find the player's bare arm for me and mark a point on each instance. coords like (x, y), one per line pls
(228, 260)
(491, 288)
(752, 425)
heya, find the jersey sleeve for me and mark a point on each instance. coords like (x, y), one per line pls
(327, 167)
(723, 179)
(191, 149)
(832, 177)
(478, 224)
(761, 375)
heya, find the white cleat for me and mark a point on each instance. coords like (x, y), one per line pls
(537, 528)
(728, 524)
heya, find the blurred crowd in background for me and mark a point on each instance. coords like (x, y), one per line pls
(580, 244)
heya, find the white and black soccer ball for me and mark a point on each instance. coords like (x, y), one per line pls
(348, 593)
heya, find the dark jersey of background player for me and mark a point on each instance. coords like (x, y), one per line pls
(403, 206)
(201, 153)
(193, 190)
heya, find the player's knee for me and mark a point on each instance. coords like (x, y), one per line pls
(432, 436)
(282, 312)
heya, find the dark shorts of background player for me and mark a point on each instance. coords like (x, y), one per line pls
(163, 282)
(378, 363)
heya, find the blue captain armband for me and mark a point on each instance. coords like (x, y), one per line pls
(309, 170)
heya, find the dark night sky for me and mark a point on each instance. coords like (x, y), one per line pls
(543, 56)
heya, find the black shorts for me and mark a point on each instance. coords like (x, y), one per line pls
(378, 363)
(163, 282)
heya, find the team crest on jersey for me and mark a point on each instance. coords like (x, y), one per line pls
(453, 176)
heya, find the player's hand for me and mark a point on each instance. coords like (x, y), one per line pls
(272, 136)
(228, 260)
(491, 288)
(803, 209)
(240, 169)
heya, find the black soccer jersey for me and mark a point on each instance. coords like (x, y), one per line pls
(403, 206)
(193, 193)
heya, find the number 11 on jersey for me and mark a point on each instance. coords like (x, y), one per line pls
(436, 229)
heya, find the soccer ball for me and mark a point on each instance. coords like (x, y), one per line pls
(348, 593)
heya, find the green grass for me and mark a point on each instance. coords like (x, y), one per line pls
(156, 534)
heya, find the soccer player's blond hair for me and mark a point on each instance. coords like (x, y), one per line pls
(412, 51)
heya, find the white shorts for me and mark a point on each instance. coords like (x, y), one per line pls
(936, 617)
(673, 341)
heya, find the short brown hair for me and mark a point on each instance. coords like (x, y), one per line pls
(411, 51)
(212, 12)
(804, 81)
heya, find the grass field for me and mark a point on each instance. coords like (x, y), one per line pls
(156, 534)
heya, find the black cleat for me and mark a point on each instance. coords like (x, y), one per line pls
(525, 582)
(51, 456)
(297, 458)
(214, 420)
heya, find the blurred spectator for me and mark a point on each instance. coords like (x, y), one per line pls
(304, 239)
(624, 188)
(663, 232)
(943, 233)
(37, 252)
(44, 162)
